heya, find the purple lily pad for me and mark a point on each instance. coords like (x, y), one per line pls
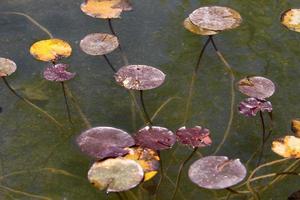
(58, 73)
(140, 77)
(194, 137)
(105, 142)
(217, 172)
(155, 137)
(251, 106)
(257, 87)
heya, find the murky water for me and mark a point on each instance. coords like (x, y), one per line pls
(152, 34)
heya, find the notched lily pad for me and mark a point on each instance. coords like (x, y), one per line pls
(155, 137)
(58, 73)
(291, 19)
(140, 77)
(197, 30)
(251, 106)
(215, 18)
(296, 127)
(194, 137)
(116, 175)
(99, 44)
(257, 87)
(288, 147)
(217, 172)
(104, 142)
(50, 50)
(147, 158)
(7, 67)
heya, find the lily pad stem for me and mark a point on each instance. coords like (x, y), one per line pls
(109, 63)
(66, 102)
(147, 117)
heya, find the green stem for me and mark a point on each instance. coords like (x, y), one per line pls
(66, 102)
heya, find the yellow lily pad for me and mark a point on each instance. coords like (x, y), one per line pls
(288, 147)
(291, 19)
(50, 50)
(195, 29)
(7, 67)
(296, 127)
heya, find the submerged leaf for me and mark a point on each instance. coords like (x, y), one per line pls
(116, 175)
(288, 147)
(50, 50)
(196, 29)
(217, 172)
(104, 142)
(155, 137)
(194, 137)
(7, 67)
(296, 127)
(140, 77)
(99, 44)
(58, 73)
(250, 106)
(291, 19)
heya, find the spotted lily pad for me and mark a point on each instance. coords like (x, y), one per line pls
(291, 19)
(50, 50)
(116, 175)
(288, 147)
(217, 172)
(99, 44)
(58, 73)
(7, 67)
(139, 77)
(147, 158)
(215, 18)
(296, 127)
(250, 106)
(194, 137)
(104, 142)
(257, 87)
(155, 137)
(196, 29)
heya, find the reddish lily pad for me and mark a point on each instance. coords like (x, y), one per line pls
(99, 44)
(257, 87)
(155, 137)
(194, 137)
(58, 73)
(217, 172)
(251, 106)
(139, 77)
(7, 67)
(104, 142)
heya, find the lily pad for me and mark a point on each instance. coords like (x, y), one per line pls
(58, 73)
(291, 19)
(288, 147)
(251, 106)
(196, 29)
(7, 67)
(99, 44)
(155, 137)
(217, 172)
(194, 137)
(104, 142)
(140, 77)
(147, 158)
(50, 50)
(215, 18)
(296, 127)
(295, 195)
(257, 87)
(116, 175)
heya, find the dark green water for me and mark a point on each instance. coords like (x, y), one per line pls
(152, 34)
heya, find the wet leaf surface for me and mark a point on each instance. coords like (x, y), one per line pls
(58, 73)
(291, 19)
(251, 106)
(7, 67)
(288, 147)
(194, 137)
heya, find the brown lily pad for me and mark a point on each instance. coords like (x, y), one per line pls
(104, 142)
(194, 137)
(196, 29)
(291, 19)
(140, 77)
(7, 67)
(296, 127)
(99, 44)
(295, 195)
(288, 147)
(217, 172)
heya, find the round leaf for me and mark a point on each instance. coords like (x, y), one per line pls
(288, 147)
(58, 73)
(194, 137)
(250, 106)
(7, 67)
(196, 29)
(291, 19)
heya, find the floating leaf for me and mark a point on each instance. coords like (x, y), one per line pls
(194, 137)
(291, 19)
(215, 18)
(197, 30)
(140, 77)
(155, 137)
(295, 196)
(288, 147)
(147, 158)
(99, 44)
(257, 87)
(50, 50)
(116, 175)
(7, 67)
(296, 127)
(250, 106)
(104, 142)
(217, 172)
(58, 73)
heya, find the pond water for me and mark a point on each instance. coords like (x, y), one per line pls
(46, 162)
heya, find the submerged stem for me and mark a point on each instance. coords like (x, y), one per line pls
(263, 138)
(147, 117)
(161, 176)
(66, 102)
(109, 63)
